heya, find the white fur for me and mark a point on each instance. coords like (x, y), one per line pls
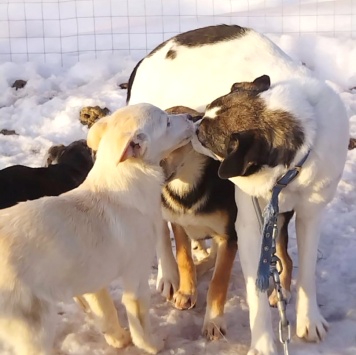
(199, 75)
(75, 244)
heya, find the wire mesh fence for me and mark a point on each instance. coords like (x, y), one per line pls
(66, 31)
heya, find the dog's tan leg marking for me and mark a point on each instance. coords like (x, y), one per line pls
(82, 303)
(102, 308)
(282, 253)
(186, 296)
(137, 307)
(207, 263)
(214, 325)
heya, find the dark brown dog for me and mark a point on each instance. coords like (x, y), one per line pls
(21, 183)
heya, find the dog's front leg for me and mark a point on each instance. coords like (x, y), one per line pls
(136, 298)
(102, 308)
(186, 296)
(286, 261)
(214, 323)
(167, 276)
(249, 242)
(310, 323)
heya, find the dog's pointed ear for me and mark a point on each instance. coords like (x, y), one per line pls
(96, 132)
(262, 83)
(243, 155)
(131, 146)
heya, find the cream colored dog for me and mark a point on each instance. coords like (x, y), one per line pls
(56, 248)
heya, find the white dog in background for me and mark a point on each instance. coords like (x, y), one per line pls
(56, 248)
(196, 67)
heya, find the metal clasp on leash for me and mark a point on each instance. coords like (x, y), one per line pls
(284, 325)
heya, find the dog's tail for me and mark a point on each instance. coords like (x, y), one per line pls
(25, 320)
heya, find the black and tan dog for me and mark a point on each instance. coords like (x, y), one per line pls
(66, 168)
(200, 205)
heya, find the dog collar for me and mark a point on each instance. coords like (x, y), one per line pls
(269, 232)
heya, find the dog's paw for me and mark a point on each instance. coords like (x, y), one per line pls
(167, 281)
(264, 345)
(119, 340)
(166, 287)
(254, 351)
(153, 347)
(185, 300)
(273, 299)
(312, 328)
(214, 329)
(199, 250)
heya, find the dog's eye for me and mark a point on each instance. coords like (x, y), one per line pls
(168, 122)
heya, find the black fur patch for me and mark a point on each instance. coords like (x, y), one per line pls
(21, 183)
(171, 54)
(203, 36)
(210, 35)
(194, 38)
(131, 80)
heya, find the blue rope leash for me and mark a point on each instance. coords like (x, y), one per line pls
(269, 232)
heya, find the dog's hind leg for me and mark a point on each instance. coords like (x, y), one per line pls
(136, 299)
(310, 323)
(214, 324)
(102, 308)
(199, 249)
(204, 265)
(286, 261)
(186, 296)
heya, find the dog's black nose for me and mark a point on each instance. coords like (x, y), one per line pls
(189, 117)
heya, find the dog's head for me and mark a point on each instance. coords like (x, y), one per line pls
(240, 130)
(141, 131)
(176, 159)
(76, 153)
(53, 154)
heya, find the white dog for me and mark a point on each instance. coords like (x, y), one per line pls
(195, 68)
(55, 248)
(259, 132)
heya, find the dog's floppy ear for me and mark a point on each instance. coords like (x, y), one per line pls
(244, 154)
(95, 134)
(131, 146)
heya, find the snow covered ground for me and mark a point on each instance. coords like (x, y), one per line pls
(46, 112)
